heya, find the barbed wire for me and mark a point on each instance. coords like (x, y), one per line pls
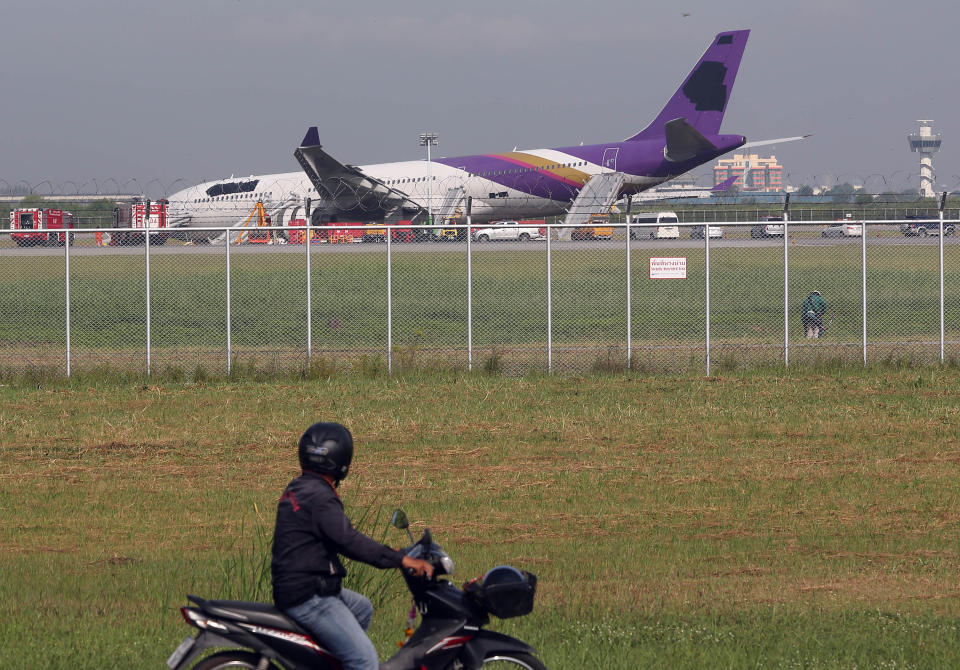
(536, 194)
(870, 183)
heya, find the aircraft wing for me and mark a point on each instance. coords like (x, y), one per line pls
(762, 143)
(346, 187)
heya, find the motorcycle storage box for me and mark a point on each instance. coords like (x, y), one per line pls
(505, 599)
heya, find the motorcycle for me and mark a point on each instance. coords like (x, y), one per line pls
(451, 634)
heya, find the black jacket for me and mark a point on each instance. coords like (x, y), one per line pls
(312, 528)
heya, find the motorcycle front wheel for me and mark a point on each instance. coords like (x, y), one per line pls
(512, 661)
(226, 660)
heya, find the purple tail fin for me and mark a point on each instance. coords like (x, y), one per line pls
(703, 96)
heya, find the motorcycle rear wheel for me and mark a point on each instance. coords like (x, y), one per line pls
(511, 661)
(227, 660)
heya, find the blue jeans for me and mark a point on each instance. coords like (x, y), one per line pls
(339, 623)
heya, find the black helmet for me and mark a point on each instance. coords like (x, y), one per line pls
(815, 293)
(508, 592)
(327, 448)
(501, 575)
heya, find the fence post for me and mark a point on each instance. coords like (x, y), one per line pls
(629, 291)
(706, 253)
(66, 253)
(943, 200)
(549, 302)
(146, 246)
(306, 243)
(469, 286)
(389, 300)
(786, 280)
(863, 287)
(226, 239)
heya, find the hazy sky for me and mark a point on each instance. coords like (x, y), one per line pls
(204, 89)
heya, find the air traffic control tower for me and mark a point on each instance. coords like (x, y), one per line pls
(926, 144)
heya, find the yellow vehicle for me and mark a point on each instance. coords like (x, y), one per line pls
(374, 233)
(597, 228)
(445, 234)
(448, 234)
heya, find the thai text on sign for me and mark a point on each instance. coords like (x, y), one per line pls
(668, 268)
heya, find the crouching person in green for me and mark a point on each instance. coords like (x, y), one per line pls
(811, 314)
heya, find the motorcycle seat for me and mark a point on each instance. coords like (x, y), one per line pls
(263, 614)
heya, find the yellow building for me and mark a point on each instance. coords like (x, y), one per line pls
(763, 175)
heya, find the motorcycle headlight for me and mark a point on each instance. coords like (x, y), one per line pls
(447, 564)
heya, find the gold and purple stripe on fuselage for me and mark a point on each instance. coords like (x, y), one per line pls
(564, 172)
(545, 173)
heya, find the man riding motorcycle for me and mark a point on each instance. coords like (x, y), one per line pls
(312, 530)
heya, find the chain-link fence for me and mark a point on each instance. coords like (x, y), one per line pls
(688, 298)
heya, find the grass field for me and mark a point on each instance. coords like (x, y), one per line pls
(429, 311)
(768, 519)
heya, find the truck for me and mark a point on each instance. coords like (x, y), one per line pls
(339, 232)
(139, 214)
(405, 234)
(921, 226)
(373, 232)
(521, 231)
(36, 225)
(597, 227)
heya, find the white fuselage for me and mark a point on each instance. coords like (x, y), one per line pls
(425, 183)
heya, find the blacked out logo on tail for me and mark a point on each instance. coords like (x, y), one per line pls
(705, 87)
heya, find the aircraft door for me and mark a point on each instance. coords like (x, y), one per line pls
(610, 158)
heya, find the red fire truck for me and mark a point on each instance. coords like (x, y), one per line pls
(139, 214)
(39, 223)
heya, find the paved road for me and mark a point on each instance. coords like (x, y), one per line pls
(173, 248)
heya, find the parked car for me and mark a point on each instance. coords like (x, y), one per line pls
(767, 229)
(923, 226)
(668, 218)
(715, 232)
(843, 229)
(508, 230)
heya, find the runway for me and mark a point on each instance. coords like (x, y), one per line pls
(737, 240)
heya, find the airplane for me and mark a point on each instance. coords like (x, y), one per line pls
(507, 185)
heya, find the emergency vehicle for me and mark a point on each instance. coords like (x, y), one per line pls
(597, 227)
(36, 225)
(139, 214)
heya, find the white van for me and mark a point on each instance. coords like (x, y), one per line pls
(668, 230)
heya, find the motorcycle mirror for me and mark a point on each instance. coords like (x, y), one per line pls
(400, 520)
